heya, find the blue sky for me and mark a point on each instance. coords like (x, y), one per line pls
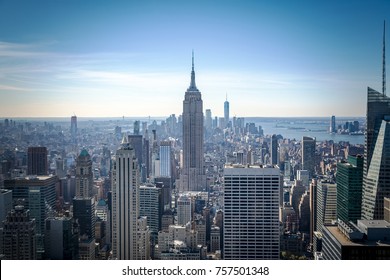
(133, 58)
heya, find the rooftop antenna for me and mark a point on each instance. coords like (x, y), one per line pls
(192, 59)
(384, 60)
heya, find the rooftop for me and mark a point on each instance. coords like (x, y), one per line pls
(374, 223)
(35, 178)
(344, 241)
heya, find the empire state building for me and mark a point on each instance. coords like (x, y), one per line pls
(193, 176)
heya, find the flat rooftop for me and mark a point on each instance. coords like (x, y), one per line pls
(374, 223)
(34, 177)
(344, 241)
(240, 169)
(237, 165)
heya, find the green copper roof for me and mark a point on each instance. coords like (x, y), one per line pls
(84, 153)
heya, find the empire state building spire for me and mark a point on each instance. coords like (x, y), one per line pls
(192, 177)
(192, 85)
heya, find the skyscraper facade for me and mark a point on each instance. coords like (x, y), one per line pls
(378, 112)
(39, 194)
(332, 127)
(274, 149)
(308, 154)
(326, 203)
(84, 176)
(150, 199)
(226, 112)
(73, 129)
(37, 161)
(251, 216)
(84, 212)
(349, 189)
(376, 166)
(386, 215)
(165, 159)
(304, 213)
(61, 239)
(84, 206)
(184, 210)
(313, 209)
(209, 120)
(125, 203)
(5, 203)
(193, 175)
(136, 142)
(19, 240)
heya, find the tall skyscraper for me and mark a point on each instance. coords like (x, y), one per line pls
(136, 128)
(251, 216)
(332, 127)
(84, 176)
(274, 149)
(377, 181)
(165, 159)
(193, 175)
(209, 120)
(226, 111)
(376, 167)
(125, 203)
(37, 161)
(73, 129)
(308, 154)
(349, 189)
(39, 195)
(84, 206)
(326, 204)
(136, 142)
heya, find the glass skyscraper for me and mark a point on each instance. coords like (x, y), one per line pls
(349, 189)
(376, 167)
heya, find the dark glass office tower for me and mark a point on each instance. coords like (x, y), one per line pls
(349, 189)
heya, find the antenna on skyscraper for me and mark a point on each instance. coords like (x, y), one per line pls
(384, 60)
(192, 59)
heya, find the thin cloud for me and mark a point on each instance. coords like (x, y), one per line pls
(13, 88)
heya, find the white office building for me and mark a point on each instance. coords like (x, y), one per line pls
(125, 203)
(251, 212)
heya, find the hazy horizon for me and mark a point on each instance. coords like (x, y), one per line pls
(164, 117)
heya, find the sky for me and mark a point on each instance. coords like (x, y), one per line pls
(133, 58)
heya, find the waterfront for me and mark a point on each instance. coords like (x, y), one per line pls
(295, 128)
